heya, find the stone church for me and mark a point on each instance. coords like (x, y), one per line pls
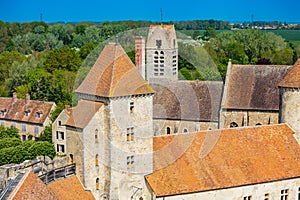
(139, 133)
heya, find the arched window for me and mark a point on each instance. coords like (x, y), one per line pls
(168, 130)
(96, 135)
(185, 130)
(233, 124)
(97, 183)
(71, 158)
(97, 160)
(159, 60)
(258, 124)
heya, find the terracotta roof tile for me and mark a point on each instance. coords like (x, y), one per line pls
(70, 188)
(217, 159)
(292, 79)
(81, 115)
(187, 100)
(114, 75)
(254, 87)
(31, 187)
(15, 110)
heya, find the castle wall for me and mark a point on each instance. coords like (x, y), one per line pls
(247, 118)
(160, 126)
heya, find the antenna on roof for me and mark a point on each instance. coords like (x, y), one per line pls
(108, 39)
(161, 15)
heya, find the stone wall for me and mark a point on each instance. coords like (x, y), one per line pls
(58, 125)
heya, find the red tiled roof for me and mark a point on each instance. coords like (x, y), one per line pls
(31, 187)
(218, 159)
(70, 189)
(81, 115)
(15, 110)
(114, 75)
(292, 79)
(254, 87)
(187, 100)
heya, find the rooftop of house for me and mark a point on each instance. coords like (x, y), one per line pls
(210, 160)
(81, 114)
(187, 100)
(292, 79)
(114, 75)
(165, 33)
(70, 188)
(253, 87)
(24, 110)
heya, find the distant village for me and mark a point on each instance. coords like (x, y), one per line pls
(137, 132)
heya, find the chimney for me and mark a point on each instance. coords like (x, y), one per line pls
(14, 99)
(27, 99)
(140, 55)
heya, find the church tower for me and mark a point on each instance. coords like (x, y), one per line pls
(113, 120)
(162, 53)
(289, 102)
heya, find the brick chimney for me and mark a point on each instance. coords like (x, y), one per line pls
(27, 98)
(140, 55)
(14, 99)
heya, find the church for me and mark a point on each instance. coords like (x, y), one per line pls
(139, 133)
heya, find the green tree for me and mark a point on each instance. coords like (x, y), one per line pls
(9, 142)
(46, 135)
(42, 149)
(6, 60)
(210, 33)
(10, 132)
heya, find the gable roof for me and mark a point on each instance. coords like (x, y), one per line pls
(114, 75)
(292, 79)
(31, 187)
(81, 115)
(70, 188)
(14, 110)
(253, 87)
(187, 100)
(209, 160)
(165, 33)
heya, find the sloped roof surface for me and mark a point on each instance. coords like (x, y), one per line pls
(226, 158)
(165, 33)
(81, 115)
(254, 87)
(187, 100)
(114, 75)
(15, 110)
(292, 79)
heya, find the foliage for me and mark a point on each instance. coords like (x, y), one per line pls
(42, 149)
(46, 135)
(9, 142)
(11, 132)
(54, 114)
(186, 74)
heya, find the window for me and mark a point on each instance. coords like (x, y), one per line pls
(247, 198)
(96, 135)
(2, 112)
(26, 113)
(299, 193)
(59, 123)
(38, 115)
(97, 160)
(13, 124)
(97, 183)
(130, 162)
(71, 158)
(131, 107)
(130, 134)
(185, 130)
(284, 194)
(23, 127)
(36, 129)
(267, 196)
(60, 148)
(2, 123)
(158, 43)
(233, 124)
(168, 130)
(159, 60)
(258, 124)
(175, 130)
(24, 137)
(60, 135)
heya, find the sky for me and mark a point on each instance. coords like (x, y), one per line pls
(172, 10)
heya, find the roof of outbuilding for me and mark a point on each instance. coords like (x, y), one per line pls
(114, 75)
(253, 87)
(81, 115)
(292, 79)
(187, 100)
(14, 109)
(70, 188)
(209, 160)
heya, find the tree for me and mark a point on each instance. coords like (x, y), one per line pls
(46, 135)
(42, 149)
(6, 60)
(210, 33)
(9, 132)
(9, 142)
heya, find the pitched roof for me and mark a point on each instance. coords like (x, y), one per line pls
(31, 187)
(226, 158)
(165, 33)
(187, 100)
(114, 75)
(292, 79)
(69, 188)
(81, 115)
(14, 109)
(253, 87)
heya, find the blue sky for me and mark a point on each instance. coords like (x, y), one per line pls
(115, 10)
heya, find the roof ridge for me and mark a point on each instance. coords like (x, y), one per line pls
(113, 71)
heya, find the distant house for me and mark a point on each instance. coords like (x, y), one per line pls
(251, 95)
(29, 116)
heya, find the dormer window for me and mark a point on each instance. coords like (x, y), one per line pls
(26, 113)
(38, 114)
(3, 112)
